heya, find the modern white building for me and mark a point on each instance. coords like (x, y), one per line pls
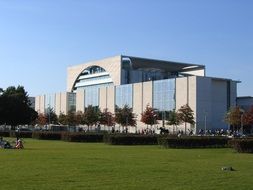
(138, 82)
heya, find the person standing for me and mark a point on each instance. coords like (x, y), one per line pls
(17, 133)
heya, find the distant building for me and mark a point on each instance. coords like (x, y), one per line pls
(245, 102)
(137, 82)
(60, 102)
(32, 102)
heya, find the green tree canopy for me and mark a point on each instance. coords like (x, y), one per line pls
(107, 118)
(62, 119)
(173, 119)
(125, 116)
(80, 118)
(51, 116)
(91, 116)
(15, 107)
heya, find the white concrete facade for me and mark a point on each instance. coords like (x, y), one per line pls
(111, 65)
(208, 97)
(59, 103)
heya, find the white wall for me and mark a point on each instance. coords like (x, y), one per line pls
(112, 65)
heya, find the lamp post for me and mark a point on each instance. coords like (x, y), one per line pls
(126, 123)
(163, 117)
(49, 119)
(154, 120)
(241, 119)
(242, 122)
(205, 120)
(107, 121)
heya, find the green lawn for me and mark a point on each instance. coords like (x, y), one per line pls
(62, 165)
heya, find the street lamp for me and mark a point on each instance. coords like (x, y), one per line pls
(49, 119)
(163, 117)
(126, 123)
(242, 121)
(205, 113)
(154, 120)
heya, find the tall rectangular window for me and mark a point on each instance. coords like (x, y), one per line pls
(124, 95)
(49, 102)
(71, 102)
(164, 94)
(91, 96)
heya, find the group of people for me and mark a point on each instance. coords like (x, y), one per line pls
(6, 145)
(218, 132)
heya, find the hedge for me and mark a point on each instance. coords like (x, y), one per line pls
(22, 134)
(130, 139)
(47, 135)
(82, 137)
(193, 142)
(242, 145)
(4, 133)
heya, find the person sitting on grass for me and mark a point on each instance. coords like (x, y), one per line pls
(5, 144)
(19, 144)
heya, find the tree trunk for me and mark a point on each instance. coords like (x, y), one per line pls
(13, 128)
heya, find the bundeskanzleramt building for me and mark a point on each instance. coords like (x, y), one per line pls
(138, 82)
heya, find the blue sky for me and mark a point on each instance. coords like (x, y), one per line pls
(39, 39)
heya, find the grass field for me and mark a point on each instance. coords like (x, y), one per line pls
(63, 165)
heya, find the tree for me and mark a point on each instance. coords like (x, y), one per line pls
(233, 117)
(91, 116)
(247, 119)
(71, 118)
(173, 119)
(107, 118)
(51, 116)
(149, 116)
(41, 120)
(15, 107)
(125, 116)
(80, 118)
(62, 119)
(185, 114)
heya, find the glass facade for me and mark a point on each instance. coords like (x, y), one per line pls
(124, 95)
(71, 102)
(164, 94)
(49, 102)
(92, 76)
(95, 86)
(91, 96)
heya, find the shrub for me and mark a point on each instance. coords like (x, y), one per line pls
(242, 145)
(48, 135)
(193, 142)
(130, 139)
(23, 134)
(83, 137)
(4, 133)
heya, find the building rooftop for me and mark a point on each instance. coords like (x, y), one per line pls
(170, 66)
